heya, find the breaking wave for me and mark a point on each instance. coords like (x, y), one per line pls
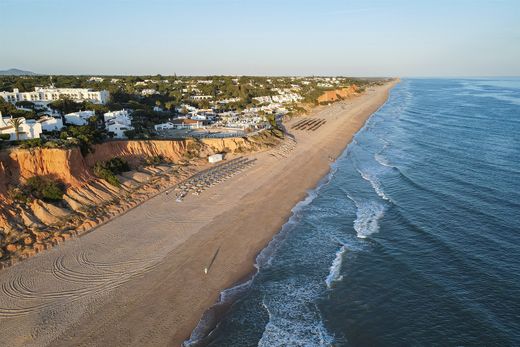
(368, 215)
(375, 183)
(294, 321)
(335, 268)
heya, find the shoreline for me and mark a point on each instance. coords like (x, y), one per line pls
(213, 315)
(218, 309)
(161, 248)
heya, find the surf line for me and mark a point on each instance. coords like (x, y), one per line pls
(206, 269)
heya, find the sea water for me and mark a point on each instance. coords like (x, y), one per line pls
(414, 237)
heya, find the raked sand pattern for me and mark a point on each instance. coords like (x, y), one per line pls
(63, 282)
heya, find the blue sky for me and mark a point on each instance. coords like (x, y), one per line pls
(262, 37)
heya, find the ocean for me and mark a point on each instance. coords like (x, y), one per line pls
(413, 238)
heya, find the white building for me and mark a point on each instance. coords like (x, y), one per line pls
(117, 128)
(199, 117)
(117, 122)
(201, 97)
(185, 108)
(49, 123)
(150, 91)
(46, 95)
(215, 158)
(95, 79)
(79, 118)
(164, 126)
(122, 116)
(28, 129)
(179, 124)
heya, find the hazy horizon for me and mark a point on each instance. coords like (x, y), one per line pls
(229, 37)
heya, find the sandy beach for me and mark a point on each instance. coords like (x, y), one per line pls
(139, 280)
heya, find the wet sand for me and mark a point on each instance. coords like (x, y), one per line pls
(139, 280)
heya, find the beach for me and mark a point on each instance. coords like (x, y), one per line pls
(140, 279)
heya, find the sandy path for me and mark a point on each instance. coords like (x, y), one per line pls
(139, 279)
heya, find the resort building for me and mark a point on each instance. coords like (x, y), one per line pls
(180, 124)
(79, 118)
(164, 126)
(49, 123)
(28, 128)
(122, 116)
(117, 128)
(46, 95)
(201, 97)
(117, 122)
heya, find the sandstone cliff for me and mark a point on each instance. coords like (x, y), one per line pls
(338, 94)
(26, 228)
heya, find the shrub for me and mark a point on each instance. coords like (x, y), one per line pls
(32, 143)
(106, 174)
(156, 160)
(109, 169)
(45, 188)
(5, 137)
(117, 165)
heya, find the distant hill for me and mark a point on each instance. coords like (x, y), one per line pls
(16, 72)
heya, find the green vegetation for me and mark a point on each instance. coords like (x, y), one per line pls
(276, 130)
(44, 188)
(193, 149)
(9, 109)
(229, 93)
(109, 169)
(84, 136)
(156, 160)
(32, 143)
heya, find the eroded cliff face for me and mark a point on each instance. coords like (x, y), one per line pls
(66, 165)
(70, 167)
(29, 227)
(338, 94)
(135, 151)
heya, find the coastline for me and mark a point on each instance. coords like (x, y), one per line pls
(211, 317)
(165, 298)
(200, 332)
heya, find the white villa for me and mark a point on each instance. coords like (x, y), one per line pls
(179, 124)
(282, 98)
(117, 122)
(164, 126)
(117, 128)
(46, 95)
(122, 116)
(28, 129)
(79, 118)
(149, 91)
(49, 123)
(201, 97)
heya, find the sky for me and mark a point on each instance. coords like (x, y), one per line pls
(263, 37)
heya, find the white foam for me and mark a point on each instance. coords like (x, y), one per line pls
(293, 318)
(368, 215)
(382, 160)
(335, 268)
(374, 182)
